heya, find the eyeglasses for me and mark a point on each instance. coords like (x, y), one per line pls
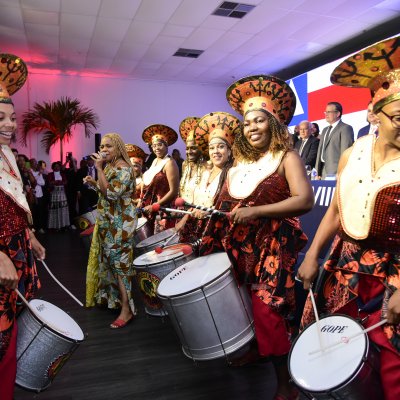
(330, 112)
(394, 119)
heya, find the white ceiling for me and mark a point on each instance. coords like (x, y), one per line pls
(137, 38)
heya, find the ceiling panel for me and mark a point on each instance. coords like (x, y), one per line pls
(156, 10)
(77, 26)
(125, 9)
(42, 5)
(80, 7)
(40, 17)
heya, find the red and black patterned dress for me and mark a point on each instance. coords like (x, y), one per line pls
(263, 254)
(154, 192)
(363, 267)
(15, 243)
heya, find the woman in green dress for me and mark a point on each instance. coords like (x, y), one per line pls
(110, 268)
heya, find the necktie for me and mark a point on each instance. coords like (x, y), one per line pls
(303, 142)
(326, 137)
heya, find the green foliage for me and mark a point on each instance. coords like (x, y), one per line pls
(55, 120)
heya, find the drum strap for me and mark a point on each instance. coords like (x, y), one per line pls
(372, 305)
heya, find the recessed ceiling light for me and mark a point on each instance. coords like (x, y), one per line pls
(190, 53)
(232, 10)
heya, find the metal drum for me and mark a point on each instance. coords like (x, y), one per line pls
(152, 267)
(150, 243)
(210, 314)
(143, 230)
(347, 368)
(85, 220)
(46, 340)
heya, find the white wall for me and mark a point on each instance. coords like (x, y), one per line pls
(125, 106)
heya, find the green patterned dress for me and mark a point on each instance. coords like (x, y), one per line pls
(111, 253)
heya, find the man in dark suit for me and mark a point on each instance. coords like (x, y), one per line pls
(307, 146)
(87, 197)
(372, 127)
(335, 139)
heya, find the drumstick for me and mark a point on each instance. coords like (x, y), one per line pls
(179, 202)
(38, 315)
(60, 284)
(317, 320)
(24, 300)
(348, 338)
(32, 309)
(156, 207)
(159, 249)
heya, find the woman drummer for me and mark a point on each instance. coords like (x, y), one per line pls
(161, 180)
(194, 165)
(213, 134)
(18, 244)
(137, 156)
(264, 193)
(361, 276)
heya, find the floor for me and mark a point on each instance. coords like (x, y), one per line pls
(142, 361)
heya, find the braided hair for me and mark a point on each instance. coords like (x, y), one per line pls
(119, 144)
(279, 140)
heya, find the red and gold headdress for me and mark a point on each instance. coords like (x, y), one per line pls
(13, 74)
(158, 132)
(135, 153)
(263, 92)
(377, 67)
(220, 125)
(186, 128)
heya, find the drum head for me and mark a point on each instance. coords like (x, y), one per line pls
(141, 222)
(194, 274)
(56, 319)
(327, 370)
(157, 238)
(168, 253)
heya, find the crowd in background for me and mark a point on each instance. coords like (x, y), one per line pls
(59, 196)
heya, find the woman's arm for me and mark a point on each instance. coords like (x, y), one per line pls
(172, 172)
(119, 182)
(101, 180)
(38, 250)
(300, 202)
(8, 273)
(326, 231)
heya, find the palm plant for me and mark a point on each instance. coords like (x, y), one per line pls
(55, 121)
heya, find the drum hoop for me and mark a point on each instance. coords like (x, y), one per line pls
(174, 296)
(356, 370)
(48, 327)
(154, 243)
(141, 226)
(141, 266)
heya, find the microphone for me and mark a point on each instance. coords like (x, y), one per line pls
(179, 202)
(156, 207)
